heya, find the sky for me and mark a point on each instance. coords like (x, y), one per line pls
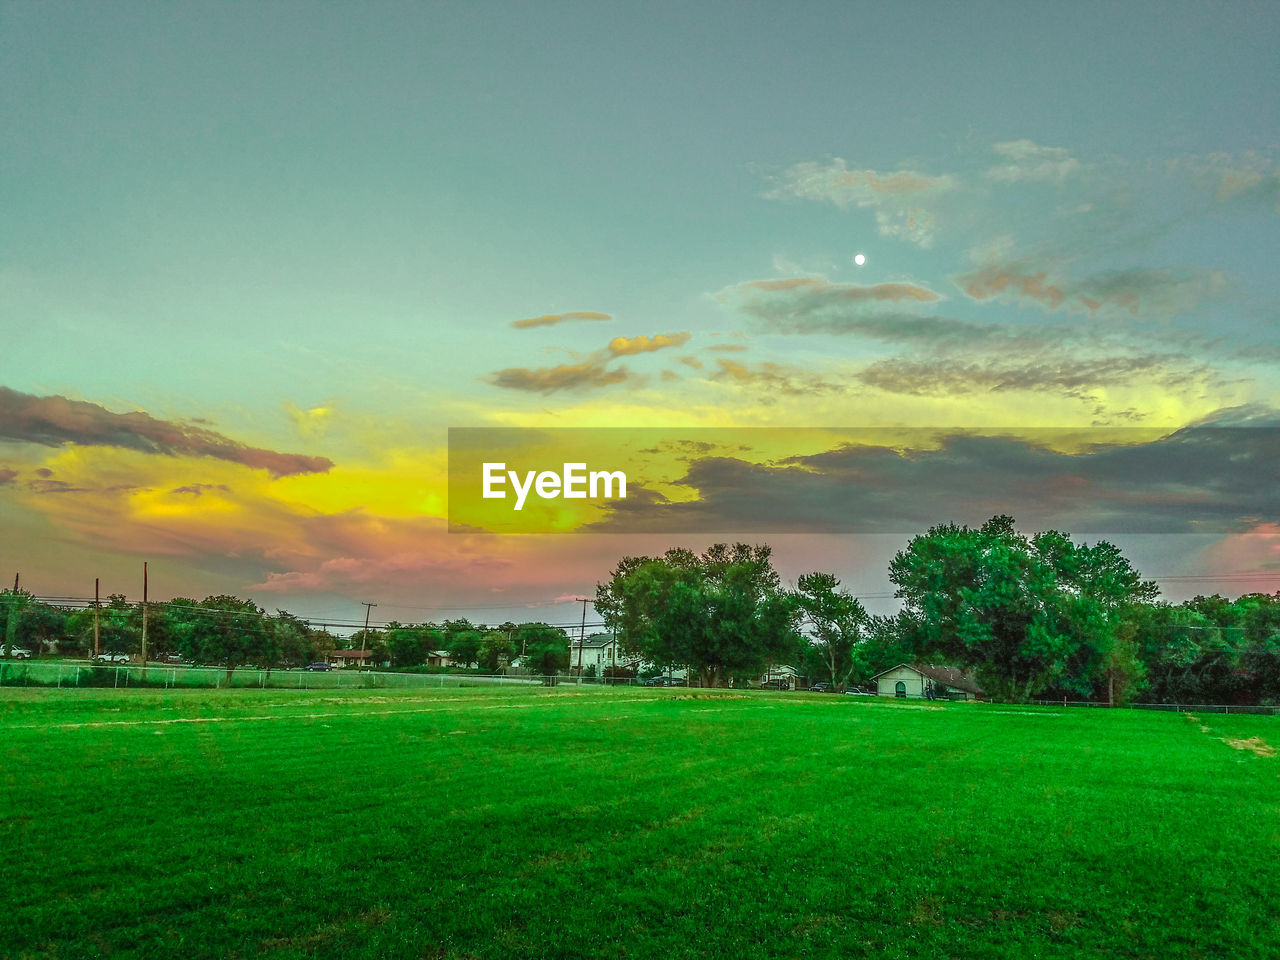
(257, 259)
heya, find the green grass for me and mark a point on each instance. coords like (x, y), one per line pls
(627, 823)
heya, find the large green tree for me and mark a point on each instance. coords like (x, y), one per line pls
(834, 621)
(1020, 612)
(222, 630)
(543, 649)
(722, 613)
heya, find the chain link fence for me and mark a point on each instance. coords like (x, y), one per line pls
(63, 673)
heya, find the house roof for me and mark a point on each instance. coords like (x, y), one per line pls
(599, 640)
(950, 676)
(352, 654)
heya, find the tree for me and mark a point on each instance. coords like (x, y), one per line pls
(410, 646)
(14, 603)
(722, 613)
(1021, 613)
(496, 650)
(224, 630)
(295, 642)
(835, 621)
(464, 646)
(544, 649)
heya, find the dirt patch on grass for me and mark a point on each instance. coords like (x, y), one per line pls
(1255, 745)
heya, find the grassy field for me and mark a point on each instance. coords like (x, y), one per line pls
(628, 823)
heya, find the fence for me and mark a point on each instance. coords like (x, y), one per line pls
(61, 673)
(1172, 707)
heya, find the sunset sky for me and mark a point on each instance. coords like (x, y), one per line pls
(256, 259)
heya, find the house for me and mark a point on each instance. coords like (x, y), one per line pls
(783, 674)
(599, 651)
(351, 658)
(912, 679)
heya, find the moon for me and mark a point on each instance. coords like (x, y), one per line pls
(859, 259)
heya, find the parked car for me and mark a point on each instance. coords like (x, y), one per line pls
(112, 658)
(172, 658)
(319, 665)
(820, 688)
(18, 653)
(665, 682)
(859, 692)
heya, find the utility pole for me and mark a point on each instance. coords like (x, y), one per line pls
(368, 608)
(144, 620)
(10, 620)
(582, 632)
(95, 618)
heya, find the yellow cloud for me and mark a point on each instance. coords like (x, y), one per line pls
(626, 346)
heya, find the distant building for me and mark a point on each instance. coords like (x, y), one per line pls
(351, 658)
(784, 674)
(599, 651)
(911, 680)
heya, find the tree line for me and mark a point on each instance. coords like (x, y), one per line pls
(1039, 616)
(1028, 616)
(230, 632)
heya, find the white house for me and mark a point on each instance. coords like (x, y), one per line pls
(912, 680)
(599, 651)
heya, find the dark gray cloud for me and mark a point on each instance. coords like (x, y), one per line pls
(54, 420)
(1213, 477)
(1135, 292)
(1058, 372)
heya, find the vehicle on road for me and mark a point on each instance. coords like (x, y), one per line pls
(775, 684)
(320, 665)
(112, 658)
(18, 653)
(858, 692)
(820, 688)
(665, 682)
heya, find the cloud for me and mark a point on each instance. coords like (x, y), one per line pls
(1210, 477)
(7, 475)
(591, 374)
(815, 305)
(551, 319)
(775, 377)
(1245, 180)
(197, 489)
(626, 346)
(310, 423)
(728, 347)
(1058, 372)
(901, 199)
(1027, 161)
(1138, 292)
(54, 421)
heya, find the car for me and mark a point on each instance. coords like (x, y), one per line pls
(775, 684)
(665, 682)
(319, 665)
(18, 653)
(820, 688)
(858, 692)
(112, 658)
